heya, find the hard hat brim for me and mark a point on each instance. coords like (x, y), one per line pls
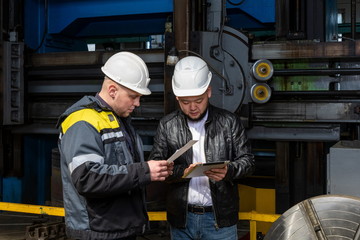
(142, 91)
(189, 92)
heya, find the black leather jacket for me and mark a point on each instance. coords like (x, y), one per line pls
(225, 140)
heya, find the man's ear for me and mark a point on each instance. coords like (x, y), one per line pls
(209, 92)
(112, 90)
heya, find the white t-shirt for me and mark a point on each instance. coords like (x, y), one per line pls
(199, 189)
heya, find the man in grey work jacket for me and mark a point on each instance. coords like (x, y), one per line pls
(102, 165)
(204, 207)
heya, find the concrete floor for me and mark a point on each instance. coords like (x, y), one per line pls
(13, 227)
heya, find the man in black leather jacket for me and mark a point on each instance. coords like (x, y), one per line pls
(204, 207)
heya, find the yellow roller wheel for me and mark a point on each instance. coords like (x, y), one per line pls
(262, 70)
(260, 93)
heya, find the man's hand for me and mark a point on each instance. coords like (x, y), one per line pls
(190, 168)
(216, 174)
(160, 170)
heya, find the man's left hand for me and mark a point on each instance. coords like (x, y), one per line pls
(216, 174)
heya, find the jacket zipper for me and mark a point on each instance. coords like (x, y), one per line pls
(213, 208)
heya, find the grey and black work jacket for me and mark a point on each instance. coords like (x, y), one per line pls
(225, 140)
(103, 180)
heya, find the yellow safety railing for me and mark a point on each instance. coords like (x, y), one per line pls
(252, 216)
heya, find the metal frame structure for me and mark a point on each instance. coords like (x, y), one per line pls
(253, 216)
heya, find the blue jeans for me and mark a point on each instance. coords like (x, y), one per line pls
(202, 227)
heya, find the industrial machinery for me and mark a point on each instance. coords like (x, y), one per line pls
(321, 217)
(292, 77)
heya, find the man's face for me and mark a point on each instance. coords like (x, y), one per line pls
(125, 101)
(194, 107)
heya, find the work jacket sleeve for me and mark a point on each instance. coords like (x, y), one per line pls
(99, 168)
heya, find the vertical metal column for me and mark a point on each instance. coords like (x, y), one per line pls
(282, 177)
(182, 24)
(353, 19)
(12, 83)
(331, 26)
(1, 128)
(298, 171)
(315, 169)
(179, 39)
(281, 18)
(1, 20)
(306, 19)
(290, 19)
(315, 11)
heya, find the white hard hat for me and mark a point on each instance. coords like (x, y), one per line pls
(129, 70)
(191, 77)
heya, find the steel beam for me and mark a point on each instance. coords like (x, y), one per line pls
(294, 133)
(306, 50)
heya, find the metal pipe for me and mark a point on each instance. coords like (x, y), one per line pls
(297, 16)
(353, 19)
(204, 6)
(1, 19)
(182, 23)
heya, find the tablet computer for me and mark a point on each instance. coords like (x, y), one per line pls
(200, 168)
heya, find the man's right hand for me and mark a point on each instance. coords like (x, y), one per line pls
(190, 168)
(160, 170)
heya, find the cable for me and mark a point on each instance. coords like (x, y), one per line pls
(45, 25)
(350, 39)
(219, 43)
(236, 4)
(223, 11)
